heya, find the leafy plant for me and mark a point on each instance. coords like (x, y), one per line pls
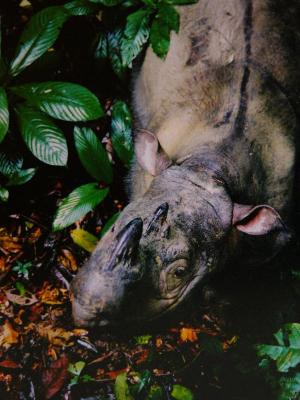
(22, 269)
(281, 362)
(76, 370)
(140, 385)
(37, 105)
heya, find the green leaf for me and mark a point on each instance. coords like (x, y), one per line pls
(109, 224)
(107, 3)
(155, 393)
(76, 369)
(165, 21)
(20, 177)
(114, 52)
(136, 34)
(181, 393)
(87, 378)
(101, 50)
(122, 388)
(121, 134)
(287, 353)
(38, 36)
(61, 100)
(4, 114)
(10, 163)
(77, 204)
(80, 7)
(144, 339)
(20, 287)
(43, 138)
(180, 2)
(4, 194)
(84, 239)
(92, 154)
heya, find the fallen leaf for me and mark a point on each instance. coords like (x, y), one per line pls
(230, 342)
(9, 364)
(8, 335)
(55, 335)
(55, 376)
(8, 243)
(67, 259)
(52, 295)
(84, 239)
(34, 235)
(26, 300)
(188, 335)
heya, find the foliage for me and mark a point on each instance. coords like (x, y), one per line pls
(22, 269)
(133, 385)
(37, 104)
(281, 362)
(76, 370)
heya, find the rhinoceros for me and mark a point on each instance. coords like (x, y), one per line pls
(212, 181)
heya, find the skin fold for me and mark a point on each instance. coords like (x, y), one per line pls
(216, 124)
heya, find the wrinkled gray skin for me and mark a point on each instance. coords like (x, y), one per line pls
(215, 157)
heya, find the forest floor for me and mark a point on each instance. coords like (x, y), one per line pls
(209, 349)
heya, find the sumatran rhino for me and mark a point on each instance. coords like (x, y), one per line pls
(213, 179)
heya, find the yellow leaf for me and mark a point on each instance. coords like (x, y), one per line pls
(188, 335)
(84, 239)
(8, 335)
(55, 335)
(230, 342)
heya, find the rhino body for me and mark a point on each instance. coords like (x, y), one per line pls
(215, 141)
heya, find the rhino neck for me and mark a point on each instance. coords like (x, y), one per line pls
(217, 167)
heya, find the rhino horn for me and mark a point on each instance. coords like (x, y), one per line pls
(127, 242)
(160, 215)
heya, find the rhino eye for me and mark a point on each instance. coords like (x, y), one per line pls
(176, 274)
(180, 272)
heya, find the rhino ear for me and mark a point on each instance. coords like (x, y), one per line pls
(258, 220)
(149, 153)
(265, 234)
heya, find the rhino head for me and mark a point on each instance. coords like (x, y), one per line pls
(165, 243)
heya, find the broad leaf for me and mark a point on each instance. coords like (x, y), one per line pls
(165, 21)
(21, 177)
(92, 154)
(135, 35)
(61, 100)
(155, 393)
(80, 7)
(38, 36)
(101, 50)
(287, 353)
(180, 2)
(84, 239)
(77, 204)
(76, 368)
(43, 138)
(122, 388)
(109, 223)
(107, 3)
(121, 134)
(4, 114)
(10, 163)
(109, 46)
(181, 393)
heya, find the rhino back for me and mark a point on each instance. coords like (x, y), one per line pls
(230, 83)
